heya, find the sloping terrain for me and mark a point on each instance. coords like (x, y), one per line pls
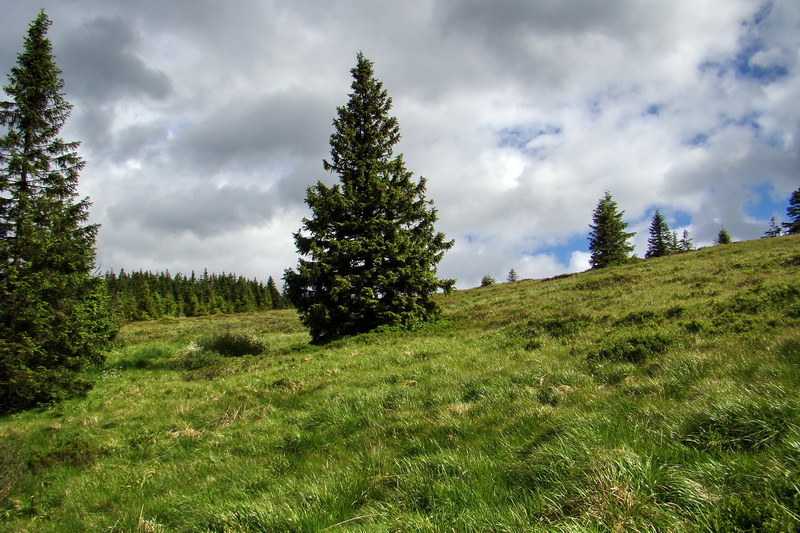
(658, 395)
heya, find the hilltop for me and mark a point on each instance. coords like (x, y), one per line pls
(657, 395)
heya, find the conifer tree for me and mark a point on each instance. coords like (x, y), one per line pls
(660, 242)
(275, 295)
(686, 244)
(723, 237)
(774, 230)
(512, 277)
(54, 320)
(793, 212)
(608, 240)
(369, 251)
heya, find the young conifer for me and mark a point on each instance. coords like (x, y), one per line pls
(608, 240)
(685, 244)
(723, 237)
(660, 242)
(369, 250)
(774, 229)
(54, 319)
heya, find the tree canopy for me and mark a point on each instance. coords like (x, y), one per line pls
(54, 319)
(793, 212)
(369, 250)
(661, 238)
(608, 240)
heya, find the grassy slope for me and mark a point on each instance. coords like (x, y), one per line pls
(660, 395)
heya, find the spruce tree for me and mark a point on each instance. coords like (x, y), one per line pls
(723, 237)
(512, 277)
(660, 242)
(608, 240)
(369, 250)
(686, 244)
(793, 212)
(54, 320)
(774, 230)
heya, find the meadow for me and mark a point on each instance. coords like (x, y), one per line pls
(660, 395)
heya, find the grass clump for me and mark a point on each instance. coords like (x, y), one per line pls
(633, 347)
(743, 425)
(230, 344)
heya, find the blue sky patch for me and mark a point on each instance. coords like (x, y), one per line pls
(762, 205)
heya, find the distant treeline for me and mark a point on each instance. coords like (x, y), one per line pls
(145, 295)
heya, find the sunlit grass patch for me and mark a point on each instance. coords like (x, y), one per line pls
(657, 396)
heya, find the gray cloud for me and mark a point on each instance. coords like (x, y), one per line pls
(204, 123)
(203, 211)
(101, 58)
(251, 132)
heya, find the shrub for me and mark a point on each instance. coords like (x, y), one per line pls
(196, 358)
(232, 344)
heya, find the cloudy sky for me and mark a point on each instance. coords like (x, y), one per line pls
(203, 122)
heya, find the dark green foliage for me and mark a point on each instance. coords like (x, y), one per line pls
(512, 277)
(534, 332)
(793, 212)
(231, 344)
(632, 347)
(147, 295)
(369, 251)
(685, 244)
(196, 359)
(723, 237)
(661, 238)
(608, 240)
(54, 318)
(487, 280)
(763, 297)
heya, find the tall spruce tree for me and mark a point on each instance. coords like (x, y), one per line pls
(54, 319)
(793, 212)
(608, 240)
(661, 241)
(369, 251)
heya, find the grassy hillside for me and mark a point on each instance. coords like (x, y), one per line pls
(660, 395)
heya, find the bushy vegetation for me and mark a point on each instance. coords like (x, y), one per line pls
(652, 396)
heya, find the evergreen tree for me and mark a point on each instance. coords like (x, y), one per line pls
(512, 276)
(487, 280)
(774, 230)
(723, 237)
(369, 251)
(660, 242)
(793, 212)
(54, 320)
(608, 240)
(685, 244)
(275, 295)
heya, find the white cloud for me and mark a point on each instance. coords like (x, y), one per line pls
(205, 123)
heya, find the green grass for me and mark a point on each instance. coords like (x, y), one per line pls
(661, 395)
